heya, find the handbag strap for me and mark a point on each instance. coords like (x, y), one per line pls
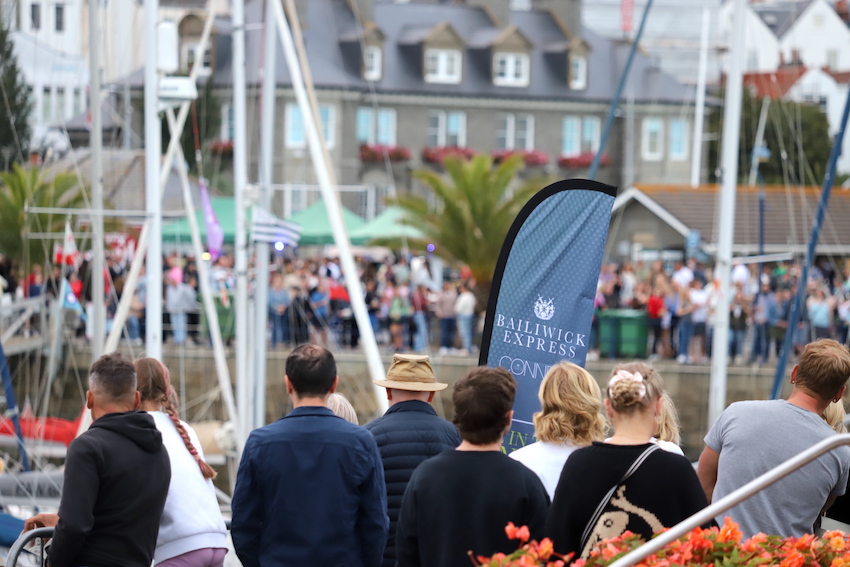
(599, 509)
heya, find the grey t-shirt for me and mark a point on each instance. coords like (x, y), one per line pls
(756, 436)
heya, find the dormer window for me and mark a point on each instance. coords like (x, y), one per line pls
(372, 63)
(443, 66)
(578, 72)
(511, 69)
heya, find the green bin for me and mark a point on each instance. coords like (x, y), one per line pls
(622, 333)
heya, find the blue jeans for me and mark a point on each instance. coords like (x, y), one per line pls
(421, 336)
(464, 327)
(179, 322)
(134, 328)
(761, 344)
(736, 342)
(447, 332)
(280, 328)
(686, 332)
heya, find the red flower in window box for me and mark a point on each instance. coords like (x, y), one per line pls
(529, 157)
(438, 155)
(582, 161)
(376, 153)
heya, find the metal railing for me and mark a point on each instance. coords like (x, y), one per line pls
(734, 498)
(43, 534)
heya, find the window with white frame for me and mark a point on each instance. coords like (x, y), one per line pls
(652, 139)
(520, 5)
(511, 69)
(443, 66)
(60, 18)
(578, 72)
(752, 60)
(514, 131)
(190, 53)
(296, 134)
(60, 103)
(446, 129)
(35, 16)
(376, 126)
(832, 59)
(580, 135)
(590, 134)
(78, 101)
(46, 104)
(678, 139)
(226, 122)
(372, 63)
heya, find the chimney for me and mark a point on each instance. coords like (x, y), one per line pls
(568, 11)
(365, 9)
(500, 10)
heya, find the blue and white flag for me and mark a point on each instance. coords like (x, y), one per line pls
(69, 300)
(541, 301)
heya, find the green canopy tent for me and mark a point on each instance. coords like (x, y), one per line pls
(387, 225)
(225, 211)
(316, 228)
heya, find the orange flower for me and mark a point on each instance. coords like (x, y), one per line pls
(560, 563)
(838, 562)
(510, 530)
(804, 542)
(545, 548)
(729, 533)
(609, 551)
(795, 558)
(523, 534)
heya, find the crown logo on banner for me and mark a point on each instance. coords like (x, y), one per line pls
(544, 308)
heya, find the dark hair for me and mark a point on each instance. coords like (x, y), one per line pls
(155, 386)
(482, 400)
(113, 377)
(311, 369)
(824, 368)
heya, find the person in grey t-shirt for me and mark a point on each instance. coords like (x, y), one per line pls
(750, 438)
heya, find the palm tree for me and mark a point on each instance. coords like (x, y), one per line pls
(23, 189)
(475, 208)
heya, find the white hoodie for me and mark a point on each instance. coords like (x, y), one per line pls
(191, 519)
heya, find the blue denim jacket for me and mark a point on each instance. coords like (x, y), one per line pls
(310, 491)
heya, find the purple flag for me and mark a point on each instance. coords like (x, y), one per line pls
(215, 236)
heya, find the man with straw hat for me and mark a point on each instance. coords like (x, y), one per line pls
(410, 431)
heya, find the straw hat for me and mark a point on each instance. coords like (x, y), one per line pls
(411, 372)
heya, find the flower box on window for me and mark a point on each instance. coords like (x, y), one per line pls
(437, 155)
(221, 147)
(582, 161)
(531, 158)
(377, 153)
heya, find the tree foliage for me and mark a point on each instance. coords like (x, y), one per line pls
(15, 104)
(476, 203)
(23, 189)
(797, 135)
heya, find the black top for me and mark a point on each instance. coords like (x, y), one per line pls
(407, 434)
(662, 492)
(461, 501)
(116, 480)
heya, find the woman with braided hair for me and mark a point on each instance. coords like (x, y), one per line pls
(191, 532)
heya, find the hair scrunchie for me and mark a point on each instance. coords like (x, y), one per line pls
(626, 375)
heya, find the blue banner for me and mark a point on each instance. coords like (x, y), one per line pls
(541, 302)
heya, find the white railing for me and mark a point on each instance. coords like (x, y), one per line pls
(18, 317)
(736, 497)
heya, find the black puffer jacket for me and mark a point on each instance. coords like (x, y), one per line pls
(407, 434)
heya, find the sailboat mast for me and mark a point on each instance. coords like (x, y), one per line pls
(699, 109)
(153, 199)
(98, 323)
(726, 228)
(240, 180)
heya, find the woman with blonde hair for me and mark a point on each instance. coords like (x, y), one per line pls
(627, 482)
(570, 417)
(191, 532)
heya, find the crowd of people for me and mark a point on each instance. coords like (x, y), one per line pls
(411, 489)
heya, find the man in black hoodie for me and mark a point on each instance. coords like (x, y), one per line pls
(116, 479)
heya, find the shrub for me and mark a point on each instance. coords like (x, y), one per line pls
(582, 160)
(376, 153)
(529, 157)
(438, 155)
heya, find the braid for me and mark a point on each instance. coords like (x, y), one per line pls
(206, 470)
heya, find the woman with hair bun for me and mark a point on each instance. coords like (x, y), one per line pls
(626, 482)
(191, 532)
(570, 417)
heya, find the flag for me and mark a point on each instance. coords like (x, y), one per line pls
(627, 12)
(67, 254)
(69, 300)
(215, 236)
(265, 227)
(541, 301)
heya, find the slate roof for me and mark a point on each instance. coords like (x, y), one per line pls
(335, 64)
(780, 16)
(789, 214)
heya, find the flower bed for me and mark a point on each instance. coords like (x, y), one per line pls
(721, 546)
(582, 161)
(438, 155)
(376, 153)
(529, 157)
